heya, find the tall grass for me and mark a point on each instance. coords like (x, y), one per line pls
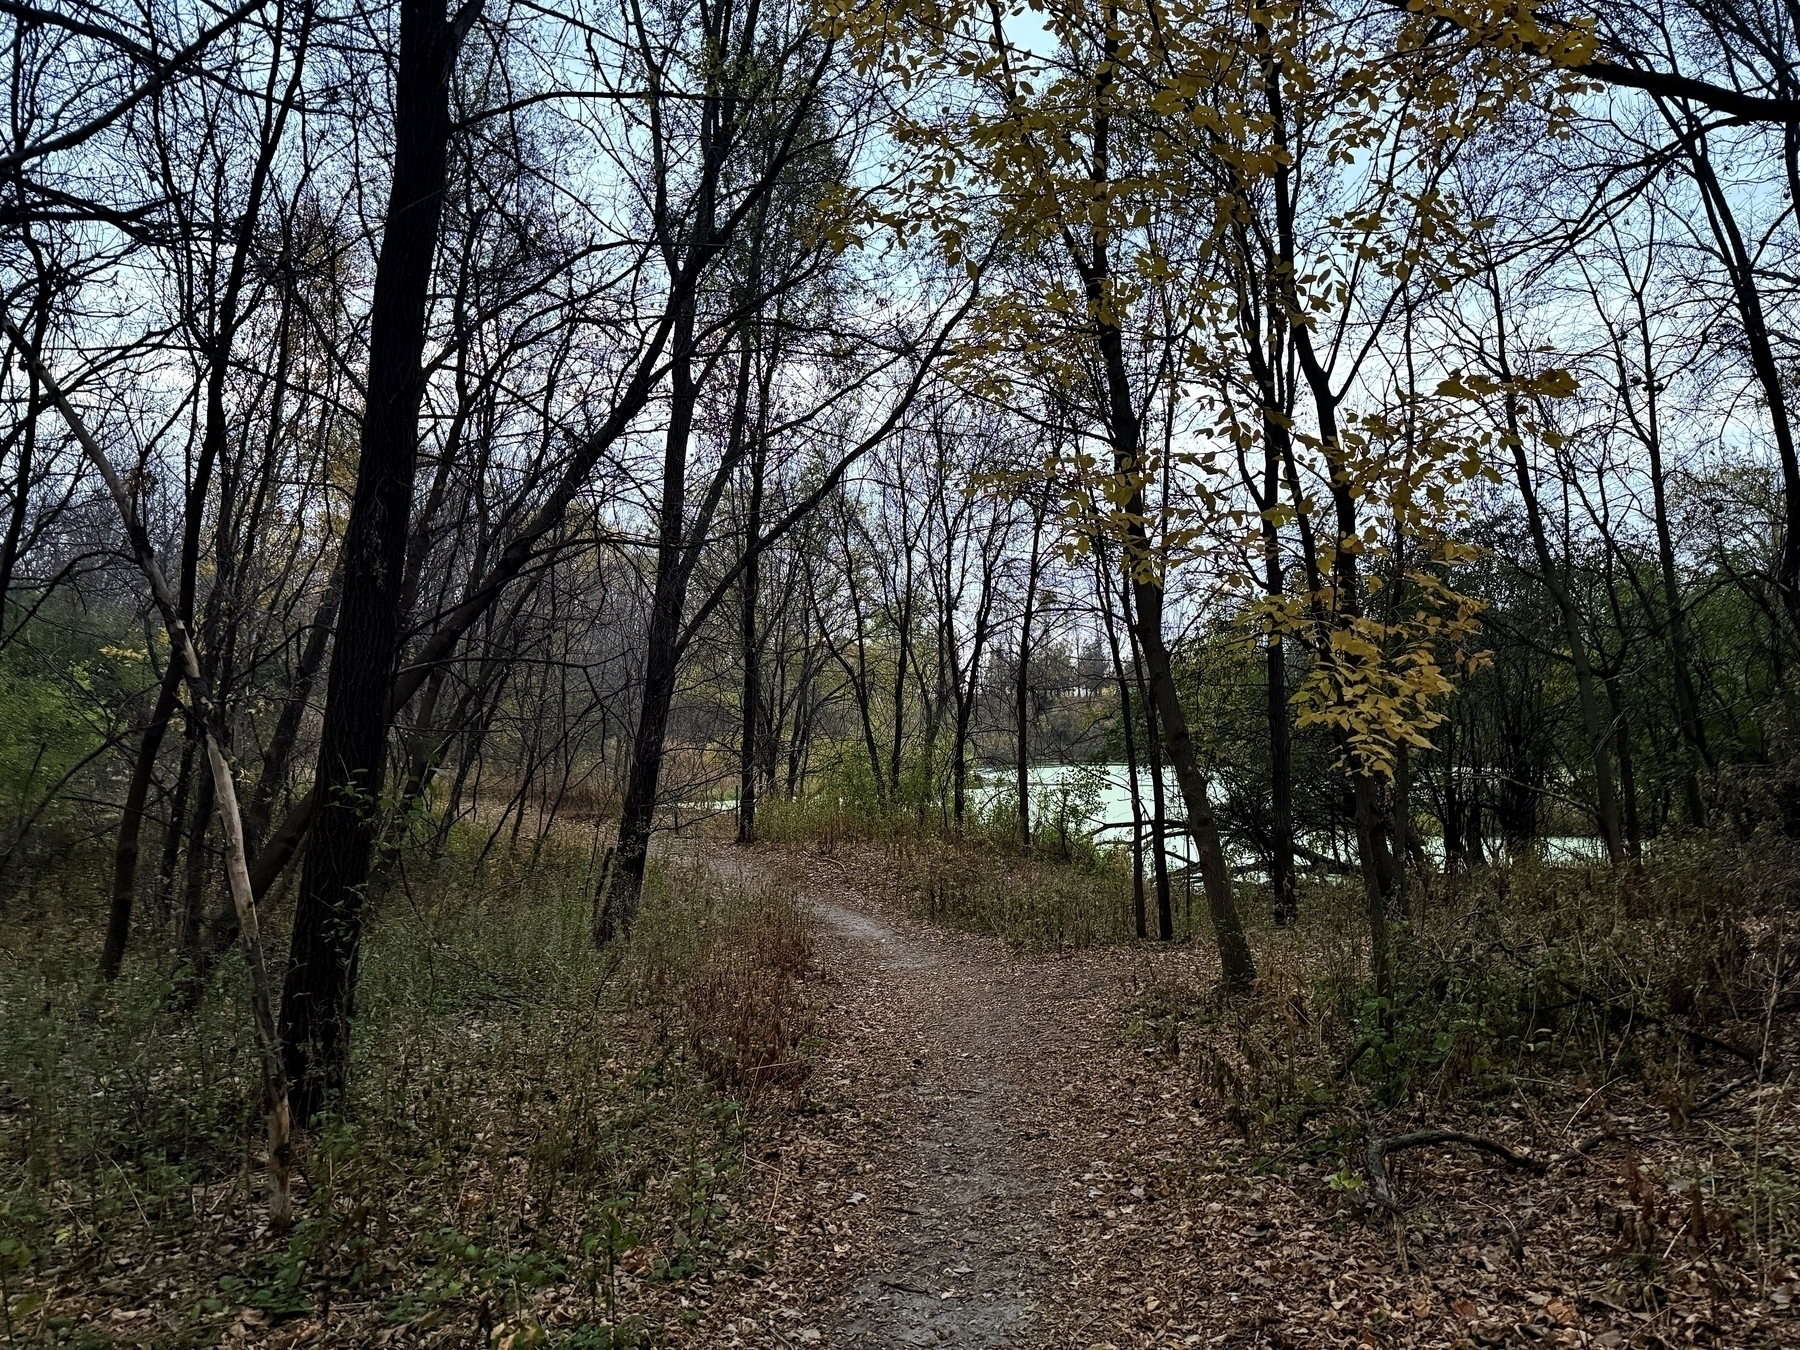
(535, 1133)
(1065, 891)
(1083, 901)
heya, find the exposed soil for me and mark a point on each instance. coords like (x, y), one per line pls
(936, 1165)
(952, 1048)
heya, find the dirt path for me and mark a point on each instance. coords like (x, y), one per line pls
(950, 1195)
(1006, 1149)
(963, 1259)
(1019, 1149)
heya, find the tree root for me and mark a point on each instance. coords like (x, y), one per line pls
(1379, 1148)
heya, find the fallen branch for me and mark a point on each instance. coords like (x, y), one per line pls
(1713, 1099)
(1321, 863)
(1379, 1148)
(1362, 1048)
(1633, 1010)
(1593, 1141)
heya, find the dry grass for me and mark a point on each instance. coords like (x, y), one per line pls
(748, 1023)
(541, 1144)
(977, 885)
(1631, 1034)
(727, 964)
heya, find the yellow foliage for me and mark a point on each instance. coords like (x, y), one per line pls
(1123, 168)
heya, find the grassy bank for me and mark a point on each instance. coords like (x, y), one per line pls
(540, 1143)
(1066, 893)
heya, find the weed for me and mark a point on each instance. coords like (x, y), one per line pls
(529, 1123)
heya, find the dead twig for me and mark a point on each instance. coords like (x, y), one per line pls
(1379, 1148)
(1634, 1010)
(1714, 1098)
(1593, 1141)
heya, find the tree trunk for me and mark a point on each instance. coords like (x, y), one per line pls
(1139, 916)
(1022, 681)
(1237, 966)
(752, 693)
(749, 586)
(317, 996)
(860, 682)
(1371, 841)
(1159, 827)
(1687, 702)
(968, 685)
(212, 450)
(902, 656)
(1377, 881)
(131, 824)
(1158, 831)
(1281, 785)
(1125, 432)
(174, 829)
(193, 889)
(616, 906)
(1743, 268)
(125, 848)
(1606, 808)
(1376, 866)
(1477, 844)
(206, 716)
(801, 743)
(1634, 830)
(1281, 753)
(287, 726)
(1402, 827)
(20, 506)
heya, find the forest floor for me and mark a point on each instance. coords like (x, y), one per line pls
(978, 1143)
(989, 1155)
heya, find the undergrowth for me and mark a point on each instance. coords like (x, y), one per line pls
(1050, 902)
(540, 1145)
(1532, 1004)
(1562, 1010)
(1065, 892)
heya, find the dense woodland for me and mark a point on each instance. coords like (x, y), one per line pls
(439, 440)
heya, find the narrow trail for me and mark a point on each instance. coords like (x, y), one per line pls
(967, 1183)
(1016, 1149)
(963, 1260)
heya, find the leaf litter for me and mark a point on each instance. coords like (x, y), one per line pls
(990, 1150)
(1040, 1164)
